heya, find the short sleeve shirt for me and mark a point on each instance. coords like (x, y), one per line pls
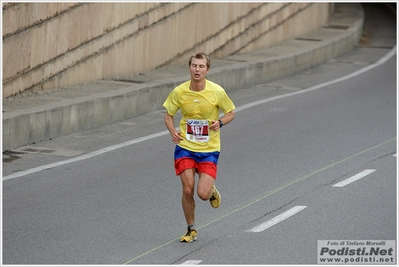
(199, 109)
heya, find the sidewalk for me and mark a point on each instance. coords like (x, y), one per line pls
(51, 114)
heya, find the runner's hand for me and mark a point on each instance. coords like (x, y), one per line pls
(176, 138)
(215, 126)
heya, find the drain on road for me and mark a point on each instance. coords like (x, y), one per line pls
(39, 151)
(359, 63)
(337, 27)
(308, 39)
(9, 155)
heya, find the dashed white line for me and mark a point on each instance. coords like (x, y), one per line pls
(191, 262)
(354, 178)
(277, 219)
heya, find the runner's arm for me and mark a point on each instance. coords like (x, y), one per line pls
(228, 117)
(170, 125)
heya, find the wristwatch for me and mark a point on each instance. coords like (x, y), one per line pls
(220, 124)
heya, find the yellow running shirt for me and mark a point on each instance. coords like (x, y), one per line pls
(199, 109)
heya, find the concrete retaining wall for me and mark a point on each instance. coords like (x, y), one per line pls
(55, 45)
(29, 125)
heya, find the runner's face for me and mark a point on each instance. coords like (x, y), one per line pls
(198, 69)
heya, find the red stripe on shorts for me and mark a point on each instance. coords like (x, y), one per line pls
(184, 163)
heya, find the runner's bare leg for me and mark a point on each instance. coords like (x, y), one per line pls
(204, 189)
(188, 183)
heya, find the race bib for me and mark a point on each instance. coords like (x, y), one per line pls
(197, 130)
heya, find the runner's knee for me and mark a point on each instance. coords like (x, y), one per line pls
(204, 194)
(188, 192)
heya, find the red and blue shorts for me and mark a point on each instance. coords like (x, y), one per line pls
(203, 162)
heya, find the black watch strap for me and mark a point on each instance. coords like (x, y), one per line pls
(220, 124)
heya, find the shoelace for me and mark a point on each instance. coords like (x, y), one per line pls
(189, 232)
(213, 197)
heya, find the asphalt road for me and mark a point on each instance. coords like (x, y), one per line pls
(292, 141)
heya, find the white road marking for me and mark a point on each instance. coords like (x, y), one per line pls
(354, 178)
(384, 59)
(190, 262)
(86, 156)
(277, 219)
(381, 61)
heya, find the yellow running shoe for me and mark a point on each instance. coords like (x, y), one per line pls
(215, 198)
(190, 236)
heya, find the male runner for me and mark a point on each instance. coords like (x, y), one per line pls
(198, 138)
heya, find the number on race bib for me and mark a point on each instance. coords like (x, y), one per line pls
(197, 130)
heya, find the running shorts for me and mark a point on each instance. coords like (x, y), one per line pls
(203, 162)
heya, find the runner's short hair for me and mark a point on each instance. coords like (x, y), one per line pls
(200, 56)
